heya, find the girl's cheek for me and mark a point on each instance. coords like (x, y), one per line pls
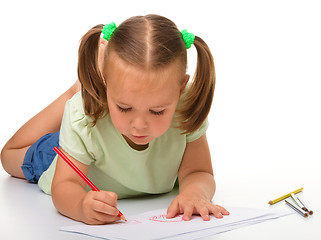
(118, 121)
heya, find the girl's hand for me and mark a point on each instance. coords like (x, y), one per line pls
(196, 184)
(99, 207)
(189, 203)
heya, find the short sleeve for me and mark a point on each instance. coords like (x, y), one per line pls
(190, 137)
(75, 133)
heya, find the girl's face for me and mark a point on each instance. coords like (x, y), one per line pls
(142, 103)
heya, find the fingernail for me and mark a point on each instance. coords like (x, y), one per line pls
(227, 212)
(186, 218)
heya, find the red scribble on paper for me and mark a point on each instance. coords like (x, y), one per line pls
(131, 222)
(135, 222)
(162, 218)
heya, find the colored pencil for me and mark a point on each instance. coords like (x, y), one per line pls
(83, 176)
(297, 209)
(301, 204)
(285, 196)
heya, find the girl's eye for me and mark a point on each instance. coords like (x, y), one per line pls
(123, 109)
(157, 113)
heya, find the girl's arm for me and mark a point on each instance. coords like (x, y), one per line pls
(196, 184)
(71, 199)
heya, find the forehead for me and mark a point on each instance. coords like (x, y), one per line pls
(121, 75)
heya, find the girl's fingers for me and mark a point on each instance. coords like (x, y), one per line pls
(102, 218)
(188, 211)
(190, 207)
(104, 208)
(218, 211)
(99, 207)
(109, 198)
(104, 202)
(204, 212)
(172, 210)
(222, 210)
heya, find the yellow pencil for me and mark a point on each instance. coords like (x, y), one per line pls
(285, 196)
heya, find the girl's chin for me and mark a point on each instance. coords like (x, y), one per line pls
(137, 142)
(140, 140)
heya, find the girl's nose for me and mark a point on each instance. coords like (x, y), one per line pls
(139, 122)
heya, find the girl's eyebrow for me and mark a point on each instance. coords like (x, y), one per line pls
(121, 103)
(162, 106)
(158, 106)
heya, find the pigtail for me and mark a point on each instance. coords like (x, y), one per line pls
(93, 87)
(199, 96)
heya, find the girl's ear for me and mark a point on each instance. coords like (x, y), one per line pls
(103, 41)
(101, 51)
(184, 83)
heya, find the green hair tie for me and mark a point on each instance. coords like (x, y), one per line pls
(108, 30)
(188, 38)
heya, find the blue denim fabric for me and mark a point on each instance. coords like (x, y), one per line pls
(39, 156)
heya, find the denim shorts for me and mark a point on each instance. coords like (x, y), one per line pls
(39, 156)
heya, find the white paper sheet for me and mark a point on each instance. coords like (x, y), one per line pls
(154, 225)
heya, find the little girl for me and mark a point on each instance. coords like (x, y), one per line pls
(134, 127)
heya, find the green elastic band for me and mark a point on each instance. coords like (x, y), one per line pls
(108, 30)
(188, 38)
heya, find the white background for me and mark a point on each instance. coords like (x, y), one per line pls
(266, 114)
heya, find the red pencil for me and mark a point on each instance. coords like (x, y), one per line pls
(83, 176)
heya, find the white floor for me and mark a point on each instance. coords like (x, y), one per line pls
(27, 213)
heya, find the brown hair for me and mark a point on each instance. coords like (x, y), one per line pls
(148, 42)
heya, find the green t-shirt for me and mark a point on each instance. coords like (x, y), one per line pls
(114, 165)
